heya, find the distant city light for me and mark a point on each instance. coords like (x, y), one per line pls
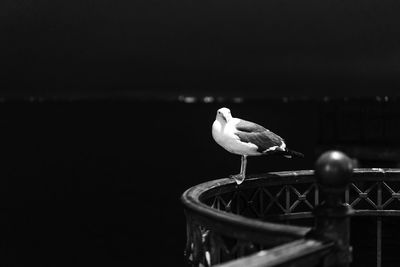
(187, 99)
(208, 99)
(237, 100)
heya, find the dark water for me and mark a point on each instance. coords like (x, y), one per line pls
(95, 182)
(99, 182)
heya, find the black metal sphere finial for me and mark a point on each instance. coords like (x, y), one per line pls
(333, 169)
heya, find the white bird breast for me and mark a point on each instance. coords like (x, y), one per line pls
(225, 137)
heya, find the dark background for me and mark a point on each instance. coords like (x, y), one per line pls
(104, 120)
(90, 182)
(281, 46)
(98, 182)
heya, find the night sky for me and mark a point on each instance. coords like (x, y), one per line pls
(306, 46)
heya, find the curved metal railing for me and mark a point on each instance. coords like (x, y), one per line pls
(226, 221)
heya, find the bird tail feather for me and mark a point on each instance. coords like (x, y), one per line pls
(291, 153)
(287, 153)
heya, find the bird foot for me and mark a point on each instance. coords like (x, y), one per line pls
(239, 178)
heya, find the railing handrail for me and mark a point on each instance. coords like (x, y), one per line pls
(309, 251)
(301, 176)
(294, 177)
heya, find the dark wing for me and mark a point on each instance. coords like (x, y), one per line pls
(250, 132)
(249, 127)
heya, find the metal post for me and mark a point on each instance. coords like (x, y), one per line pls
(379, 242)
(379, 229)
(332, 217)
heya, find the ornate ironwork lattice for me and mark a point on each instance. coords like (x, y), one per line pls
(265, 202)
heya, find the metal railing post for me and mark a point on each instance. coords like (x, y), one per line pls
(333, 170)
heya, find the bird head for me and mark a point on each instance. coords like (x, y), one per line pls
(224, 115)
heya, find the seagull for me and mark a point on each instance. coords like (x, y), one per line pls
(247, 138)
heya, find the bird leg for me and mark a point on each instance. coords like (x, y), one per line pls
(239, 178)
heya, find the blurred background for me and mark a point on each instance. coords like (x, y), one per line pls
(106, 110)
